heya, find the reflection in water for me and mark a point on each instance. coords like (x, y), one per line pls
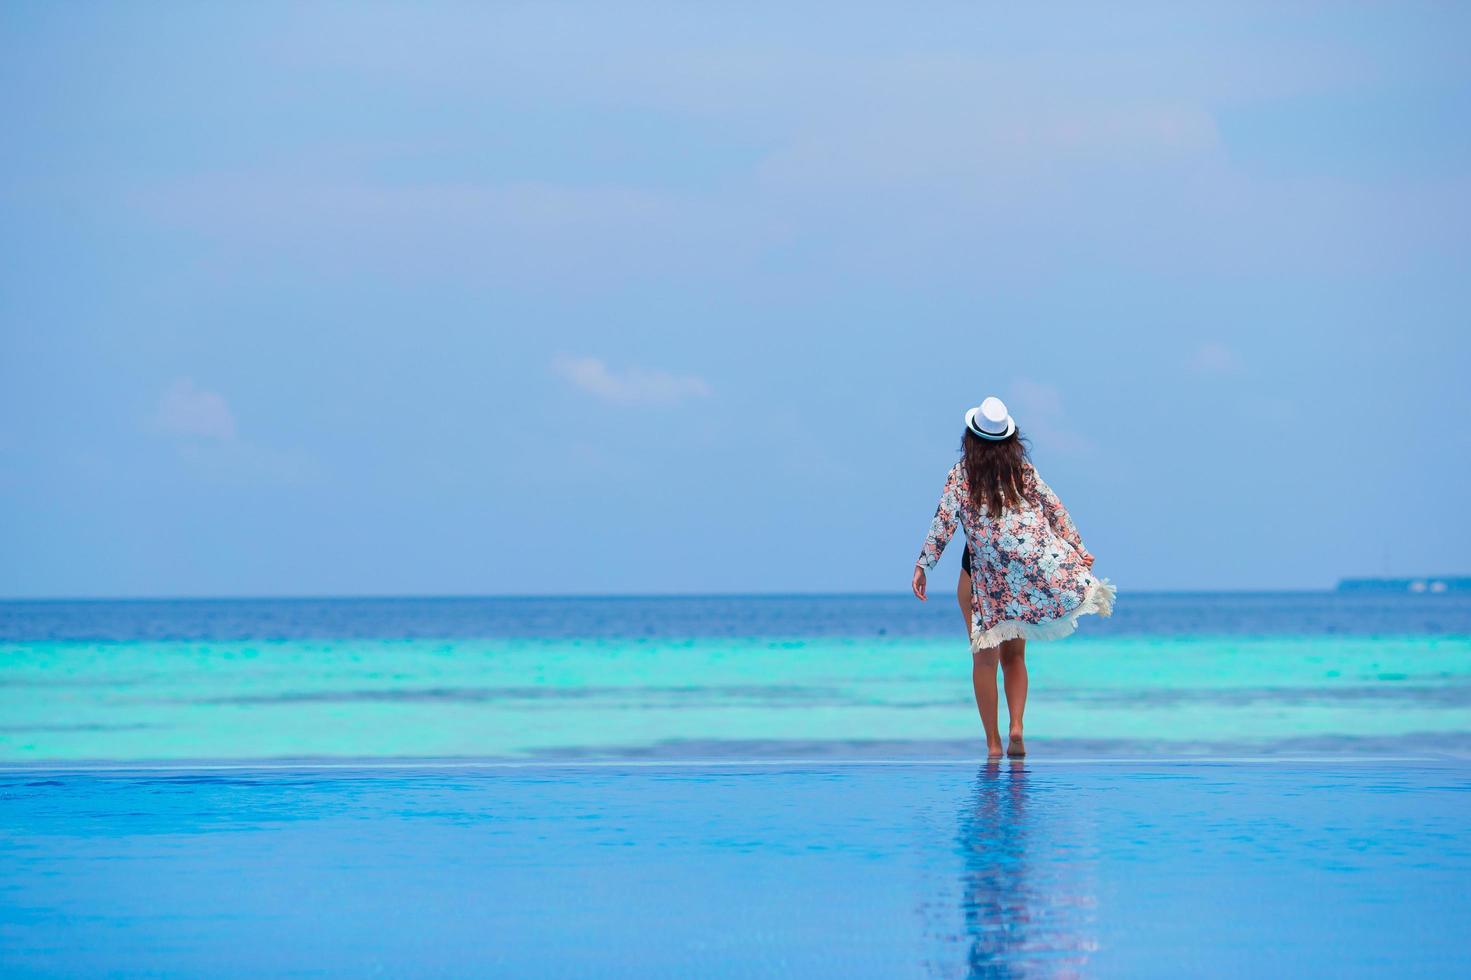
(1027, 907)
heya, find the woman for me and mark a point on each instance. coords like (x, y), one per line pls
(1026, 575)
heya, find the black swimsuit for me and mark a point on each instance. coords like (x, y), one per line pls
(965, 560)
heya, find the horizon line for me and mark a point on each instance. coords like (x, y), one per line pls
(548, 596)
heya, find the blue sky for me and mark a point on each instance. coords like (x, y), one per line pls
(315, 299)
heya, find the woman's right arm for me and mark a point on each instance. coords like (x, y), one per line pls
(1057, 515)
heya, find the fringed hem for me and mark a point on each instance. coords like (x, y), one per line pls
(1098, 599)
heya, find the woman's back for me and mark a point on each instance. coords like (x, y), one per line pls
(1033, 517)
(1031, 574)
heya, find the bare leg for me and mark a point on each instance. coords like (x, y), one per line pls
(1014, 668)
(963, 596)
(983, 677)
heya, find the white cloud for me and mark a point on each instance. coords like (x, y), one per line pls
(631, 386)
(207, 444)
(185, 409)
(1214, 357)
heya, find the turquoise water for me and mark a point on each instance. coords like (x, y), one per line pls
(717, 678)
(1218, 786)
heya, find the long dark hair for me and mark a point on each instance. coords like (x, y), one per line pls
(996, 470)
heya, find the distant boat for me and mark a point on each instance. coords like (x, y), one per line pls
(1423, 585)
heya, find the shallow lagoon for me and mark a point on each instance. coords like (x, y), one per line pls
(725, 677)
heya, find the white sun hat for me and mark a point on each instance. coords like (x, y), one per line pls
(990, 420)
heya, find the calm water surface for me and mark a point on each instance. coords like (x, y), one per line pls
(954, 870)
(1220, 786)
(733, 677)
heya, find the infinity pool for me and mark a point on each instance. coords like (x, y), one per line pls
(1092, 867)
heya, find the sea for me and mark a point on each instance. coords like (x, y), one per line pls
(718, 677)
(1274, 783)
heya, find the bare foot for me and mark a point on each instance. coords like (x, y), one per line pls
(1017, 748)
(993, 751)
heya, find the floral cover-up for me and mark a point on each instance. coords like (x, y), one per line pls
(1032, 578)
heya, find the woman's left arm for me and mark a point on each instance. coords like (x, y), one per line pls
(942, 528)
